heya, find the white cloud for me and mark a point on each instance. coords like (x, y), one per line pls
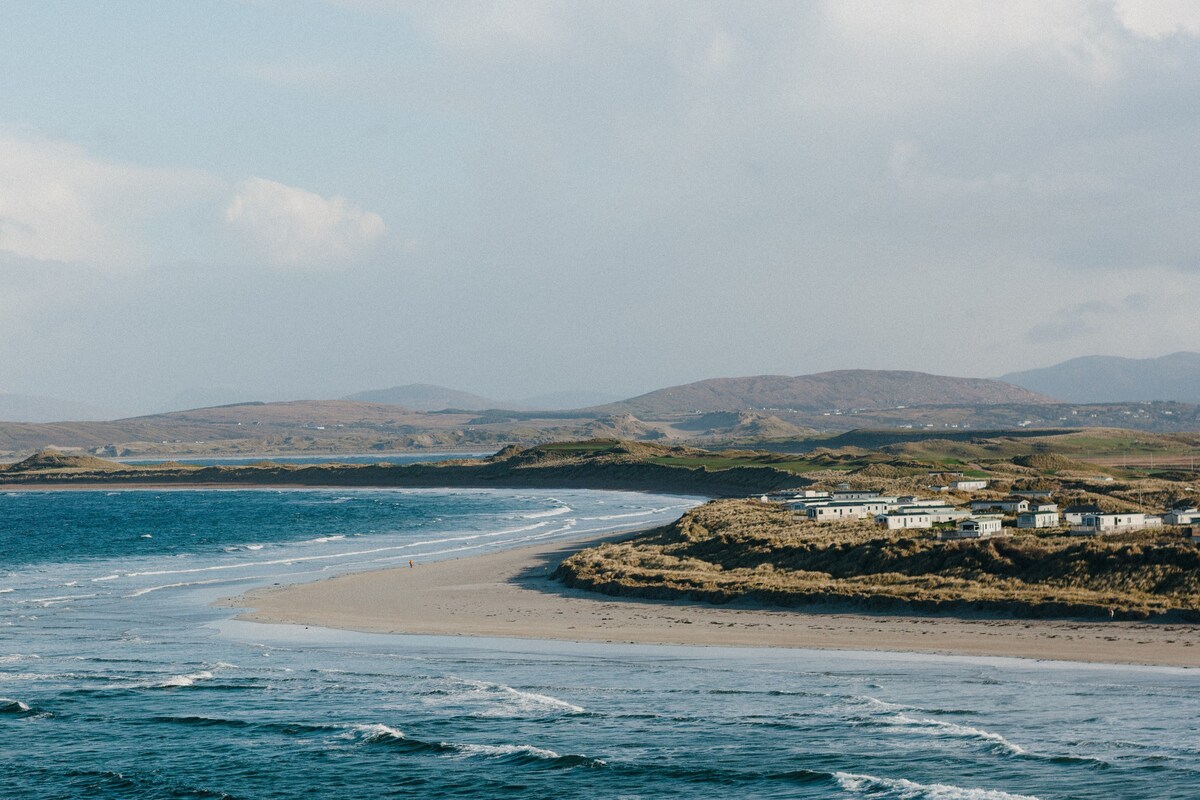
(296, 228)
(1079, 35)
(58, 203)
(1156, 19)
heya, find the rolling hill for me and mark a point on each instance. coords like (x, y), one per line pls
(425, 397)
(824, 391)
(1112, 379)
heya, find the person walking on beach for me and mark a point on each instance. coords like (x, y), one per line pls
(410, 566)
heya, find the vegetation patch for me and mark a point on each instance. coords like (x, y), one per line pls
(742, 550)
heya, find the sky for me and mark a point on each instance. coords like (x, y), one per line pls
(283, 199)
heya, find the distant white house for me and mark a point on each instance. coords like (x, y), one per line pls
(900, 520)
(1097, 524)
(1075, 514)
(854, 494)
(831, 512)
(968, 485)
(1182, 516)
(1009, 505)
(982, 527)
(1039, 518)
(909, 501)
(801, 506)
(937, 514)
(1033, 494)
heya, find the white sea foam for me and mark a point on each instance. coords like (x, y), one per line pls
(184, 680)
(497, 750)
(622, 516)
(180, 584)
(937, 727)
(904, 789)
(374, 732)
(105, 578)
(6, 590)
(882, 705)
(328, 538)
(14, 658)
(64, 598)
(554, 512)
(11, 705)
(326, 557)
(505, 701)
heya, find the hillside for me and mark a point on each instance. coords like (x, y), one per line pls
(746, 550)
(425, 397)
(1111, 379)
(824, 392)
(600, 464)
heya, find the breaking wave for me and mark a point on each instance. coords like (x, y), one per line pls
(178, 681)
(935, 727)
(904, 789)
(505, 701)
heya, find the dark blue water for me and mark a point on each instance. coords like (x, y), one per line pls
(120, 680)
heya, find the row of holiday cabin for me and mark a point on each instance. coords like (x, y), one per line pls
(1032, 511)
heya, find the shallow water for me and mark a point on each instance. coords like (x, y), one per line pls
(119, 680)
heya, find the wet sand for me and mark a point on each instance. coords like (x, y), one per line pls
(509, 594)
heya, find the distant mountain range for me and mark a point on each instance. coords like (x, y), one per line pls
(736, 411)
(425, 397)
(1111, 379)
(429, 397)
(841, 390)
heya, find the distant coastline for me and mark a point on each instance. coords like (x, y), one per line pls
(604, 466)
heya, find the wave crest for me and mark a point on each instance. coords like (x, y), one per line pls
(904, 789)
(177, 681)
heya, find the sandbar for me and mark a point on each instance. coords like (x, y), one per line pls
(510, 594)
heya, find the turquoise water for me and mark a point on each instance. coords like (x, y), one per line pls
(119, 679)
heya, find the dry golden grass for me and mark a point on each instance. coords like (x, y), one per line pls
(744, 550)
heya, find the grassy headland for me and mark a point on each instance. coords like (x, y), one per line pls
(751, 551)
(597, 464)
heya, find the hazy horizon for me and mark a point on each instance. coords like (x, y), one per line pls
(271, 200)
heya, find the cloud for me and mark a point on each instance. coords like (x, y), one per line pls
(1157, 19)
(296, 228)
(59, 203)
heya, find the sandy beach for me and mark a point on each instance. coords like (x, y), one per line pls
(509, 594)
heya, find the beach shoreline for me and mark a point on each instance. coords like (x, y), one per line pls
(509, 594)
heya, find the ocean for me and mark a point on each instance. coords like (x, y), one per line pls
(120, 679)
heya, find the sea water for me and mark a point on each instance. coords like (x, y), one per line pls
(119, 679)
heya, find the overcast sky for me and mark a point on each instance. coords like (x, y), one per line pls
(294, 198)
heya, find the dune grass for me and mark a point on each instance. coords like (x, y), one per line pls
(744, 550)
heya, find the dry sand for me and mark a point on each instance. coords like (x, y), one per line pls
(509, 594)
